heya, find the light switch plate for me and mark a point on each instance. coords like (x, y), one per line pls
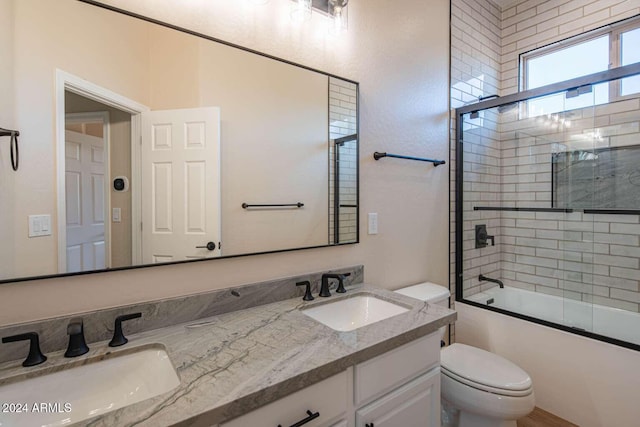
(39, 225)
(116, 215)
(373, 223)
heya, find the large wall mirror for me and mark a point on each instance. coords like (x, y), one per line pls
(142, 144)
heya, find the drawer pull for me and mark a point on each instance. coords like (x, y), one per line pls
(368, 425)
(311, 417)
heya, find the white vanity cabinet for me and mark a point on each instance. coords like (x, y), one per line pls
(397, 388)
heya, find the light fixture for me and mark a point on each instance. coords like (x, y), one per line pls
(301, 10)
(335, 10)
(338, 14)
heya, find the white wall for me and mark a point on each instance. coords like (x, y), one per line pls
(587, 382)
(400, 57)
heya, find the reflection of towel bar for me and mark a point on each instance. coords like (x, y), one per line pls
(291, 205)
(379, 156)
(15, 154)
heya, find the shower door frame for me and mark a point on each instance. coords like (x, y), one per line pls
(591, 79)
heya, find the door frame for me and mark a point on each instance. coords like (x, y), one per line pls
(104, 117)
(68, 82)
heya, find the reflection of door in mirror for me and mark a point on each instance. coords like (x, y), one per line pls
(180, 184)
(86, 175)
(81, 117)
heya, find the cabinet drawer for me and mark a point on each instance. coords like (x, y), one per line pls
(377, 376)
(328, 397)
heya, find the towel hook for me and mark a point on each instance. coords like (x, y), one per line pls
(15, 152)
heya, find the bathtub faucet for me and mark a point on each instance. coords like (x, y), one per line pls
(483, 278)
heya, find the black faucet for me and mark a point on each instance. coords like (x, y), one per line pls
(324, 288)
(118, 337)
(483, 278)
(77, 345)
(35, 356)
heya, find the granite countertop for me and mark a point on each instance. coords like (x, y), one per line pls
(236, 362)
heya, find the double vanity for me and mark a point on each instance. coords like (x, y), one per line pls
(365, 357)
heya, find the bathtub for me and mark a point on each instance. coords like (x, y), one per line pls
(611, 322)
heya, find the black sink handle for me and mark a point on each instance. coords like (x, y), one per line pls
(35, 356)
(341, 289)
(307, 293)
(118, 337)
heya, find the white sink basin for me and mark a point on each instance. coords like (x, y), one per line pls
(352, 313)
(83, 392)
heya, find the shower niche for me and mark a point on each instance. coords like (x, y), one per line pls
(601, 178)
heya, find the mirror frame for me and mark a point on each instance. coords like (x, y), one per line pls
(249, 50)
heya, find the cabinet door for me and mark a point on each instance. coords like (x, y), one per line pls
(379, 376)
(416, 404)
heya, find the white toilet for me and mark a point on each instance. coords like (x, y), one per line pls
(479, 388)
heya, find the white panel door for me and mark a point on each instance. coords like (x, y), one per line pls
(180, 184)
(85, 199)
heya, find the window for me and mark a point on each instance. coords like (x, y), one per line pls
(600, 50)
(629, 54)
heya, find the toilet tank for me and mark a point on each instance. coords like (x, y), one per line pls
(427, 291)
(430, 292)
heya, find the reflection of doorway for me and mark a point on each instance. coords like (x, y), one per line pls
(86, 191)
(96, 98)
(195, 185)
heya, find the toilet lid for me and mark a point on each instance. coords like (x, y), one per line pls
(483, 370)
(426, 291)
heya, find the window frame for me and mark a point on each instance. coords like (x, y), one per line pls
(613, 30)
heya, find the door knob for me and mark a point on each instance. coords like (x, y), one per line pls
(210, 246)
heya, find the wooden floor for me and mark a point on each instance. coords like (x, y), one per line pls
(540, 418)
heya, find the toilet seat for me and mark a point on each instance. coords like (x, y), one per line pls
(484, 371)
(483, 387)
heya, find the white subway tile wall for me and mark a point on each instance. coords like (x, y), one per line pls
(593, 258)
(475, 72)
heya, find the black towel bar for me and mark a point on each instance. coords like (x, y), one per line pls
(290, 205)
(378, 156)
(15, 153)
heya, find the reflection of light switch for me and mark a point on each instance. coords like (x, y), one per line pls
(39, 225)
(116, 215)
(373, 223)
